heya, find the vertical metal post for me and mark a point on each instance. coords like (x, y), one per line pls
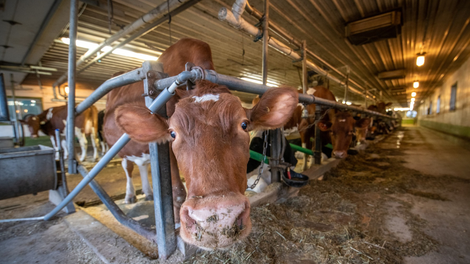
(71, 82)
(346, 85)
(16, 124)
(265, 41)
(161, 178)
(275, 141)
(304, 67)
(318, 145)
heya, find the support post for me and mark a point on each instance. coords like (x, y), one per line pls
(161, 176)
(346, 85)
(16, 123)
(71, 82)
(265, 41)
(318, 145)
(304, 67)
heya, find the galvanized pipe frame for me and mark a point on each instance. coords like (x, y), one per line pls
(238, 22)
(249, 87)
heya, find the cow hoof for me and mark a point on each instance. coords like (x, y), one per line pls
(131, 200)
(149, 198)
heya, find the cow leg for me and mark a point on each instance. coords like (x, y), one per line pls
(83, 142)
(179, 192)
(130, 190)
(64, 147)
(55, 147)
(143, 169)
(94, 141)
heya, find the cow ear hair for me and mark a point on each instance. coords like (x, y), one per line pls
(324, 126)
(274, 109)
(142, 125)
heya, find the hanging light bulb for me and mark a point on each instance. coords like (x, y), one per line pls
(420, 59)
(413, 94)
(415, 84)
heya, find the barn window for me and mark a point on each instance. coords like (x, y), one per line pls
(453, 97)
(24, 106)
(438, 104)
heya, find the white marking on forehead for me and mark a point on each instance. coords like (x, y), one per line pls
(311, 91)
(206, 97)
(342, 120)
(34, 118)
(49, 114)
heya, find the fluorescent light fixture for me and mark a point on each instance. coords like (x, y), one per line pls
(420, 59)
(415, 84)
(348, 103)
(401, 108)
(253, 80)
(67, 90)
(123, 52)
(413, 94)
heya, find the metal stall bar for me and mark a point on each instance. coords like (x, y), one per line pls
(116, 211)
(133, 76)
(161, 176)
(70, 127)
(152, 15)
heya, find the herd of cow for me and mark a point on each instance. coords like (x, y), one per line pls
(208, 133)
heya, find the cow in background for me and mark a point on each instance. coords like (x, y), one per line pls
(86, 124)
(102, 139)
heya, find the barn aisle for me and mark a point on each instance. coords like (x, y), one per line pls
(448, 221)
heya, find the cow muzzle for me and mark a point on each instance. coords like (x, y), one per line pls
(340, 154)
(215, 222)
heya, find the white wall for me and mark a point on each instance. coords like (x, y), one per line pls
(460, 116)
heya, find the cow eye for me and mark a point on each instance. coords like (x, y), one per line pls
(244, 125)
(173, 134)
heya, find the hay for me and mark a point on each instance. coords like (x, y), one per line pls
(342, 219)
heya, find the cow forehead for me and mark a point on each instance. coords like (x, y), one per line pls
(214, 110)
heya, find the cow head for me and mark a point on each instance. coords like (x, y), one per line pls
(34, 124)
(209, 137)
(341, 131)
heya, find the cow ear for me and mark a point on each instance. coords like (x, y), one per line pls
(142, 125)
(388, 104)
(22, 122)
(324, 126)
(274, 109)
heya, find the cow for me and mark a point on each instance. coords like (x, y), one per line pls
(208, 134)
(210, 140)
(86, 124)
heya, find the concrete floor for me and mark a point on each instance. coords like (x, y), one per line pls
(448, 222)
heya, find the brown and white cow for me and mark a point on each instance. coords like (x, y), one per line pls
(210, 139)
(208, 132)
(86, 124)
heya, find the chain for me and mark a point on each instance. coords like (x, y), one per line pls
(261, 167)
(316, 122)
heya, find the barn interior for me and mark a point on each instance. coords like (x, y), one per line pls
(364, 51)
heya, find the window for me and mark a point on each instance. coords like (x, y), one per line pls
(453, 97)
(438, 105)
(24, 106)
